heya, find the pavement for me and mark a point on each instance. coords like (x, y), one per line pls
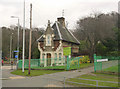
(47, 80)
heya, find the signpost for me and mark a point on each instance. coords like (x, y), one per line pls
(101, 60)
(67, 52)
(16, 56)
(16, 51)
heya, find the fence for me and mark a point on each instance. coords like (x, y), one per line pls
(96, 82)
(62, 81)
(52, 63)
(34, 63)
(106, 63)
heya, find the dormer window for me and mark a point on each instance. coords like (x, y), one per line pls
(48, 40)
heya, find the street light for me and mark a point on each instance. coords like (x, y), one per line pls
(18, 40)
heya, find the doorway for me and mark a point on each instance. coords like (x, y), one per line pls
(48, 59)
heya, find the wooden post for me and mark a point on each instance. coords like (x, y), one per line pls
(30, 37)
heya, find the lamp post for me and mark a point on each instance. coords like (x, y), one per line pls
(23, 37)
(18, 41)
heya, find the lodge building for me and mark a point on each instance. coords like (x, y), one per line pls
(52, 42)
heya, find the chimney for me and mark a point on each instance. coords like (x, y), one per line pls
(61, 20)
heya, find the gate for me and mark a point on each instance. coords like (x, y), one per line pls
(106, 63)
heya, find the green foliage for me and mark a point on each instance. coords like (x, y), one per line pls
(36, 53)
(98, 27)
(117, 37)
(84, 59)
(83, 45)
(36, 33)
(112, 53)
(109, 46)
(101, 49)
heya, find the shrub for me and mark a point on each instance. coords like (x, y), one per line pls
(84, 59)
(41, 65)
(54, 64)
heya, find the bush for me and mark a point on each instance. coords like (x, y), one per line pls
(84, 59)
(74, 62)
(113, 53)
(41, 65)
(54, 64)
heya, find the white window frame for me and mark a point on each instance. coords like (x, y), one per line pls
(43, 56)
(55, 56)
(47, 40)
(60, 56)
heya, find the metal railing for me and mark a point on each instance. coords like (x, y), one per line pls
(92, 84)
(64, 81)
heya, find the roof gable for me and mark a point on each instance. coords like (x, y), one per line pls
(64, 33)
(61, 33)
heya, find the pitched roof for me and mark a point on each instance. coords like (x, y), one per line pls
(61, 33)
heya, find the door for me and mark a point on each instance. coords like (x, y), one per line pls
(48, 59)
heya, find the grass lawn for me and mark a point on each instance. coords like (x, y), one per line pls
(72, 67)
(50, 67)
(94, 76)
(112, 69)
(42, 72)
(35, 72)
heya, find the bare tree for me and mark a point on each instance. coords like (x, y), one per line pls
(95, 28)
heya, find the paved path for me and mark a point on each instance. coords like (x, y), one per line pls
(47, 80)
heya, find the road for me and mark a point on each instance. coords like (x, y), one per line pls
(47, 80)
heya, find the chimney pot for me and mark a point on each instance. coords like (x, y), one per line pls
(61, 20)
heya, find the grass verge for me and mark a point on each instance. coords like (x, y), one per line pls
(35, 72)
(112, 69)
(94, 76)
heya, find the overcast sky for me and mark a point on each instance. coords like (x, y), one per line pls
(44, 10)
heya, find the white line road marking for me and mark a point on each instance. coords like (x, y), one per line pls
(17, 77)
(51, 85)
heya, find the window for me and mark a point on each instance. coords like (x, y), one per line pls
(60, 56)
(48, 40)
(55, 56)
(43, 56)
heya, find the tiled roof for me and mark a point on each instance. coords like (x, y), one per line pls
(62, 33)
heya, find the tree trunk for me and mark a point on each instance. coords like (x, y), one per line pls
(91, 53)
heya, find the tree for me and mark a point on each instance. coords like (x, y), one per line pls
(95, 28)
(6, 33)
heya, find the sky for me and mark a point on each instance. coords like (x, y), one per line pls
(44, 10)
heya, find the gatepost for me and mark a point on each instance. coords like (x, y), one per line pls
(95, 61)
(67, 52)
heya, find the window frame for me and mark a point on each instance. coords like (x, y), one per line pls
(48, 40)
(60, 56)
(55, 56)
(43, 56)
